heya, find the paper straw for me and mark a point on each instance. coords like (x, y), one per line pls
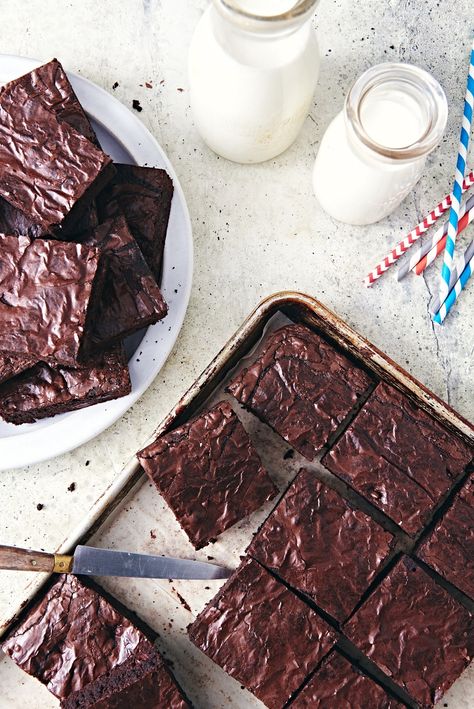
(459, 268)
(428, 245)
(454, 293)
(458, 179)
(439, 247)
(415, 234)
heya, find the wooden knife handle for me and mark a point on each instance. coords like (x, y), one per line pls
(17, 559)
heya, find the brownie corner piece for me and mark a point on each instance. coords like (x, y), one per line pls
(399, 458)
(415, 632)
(338, 683)
(209, 473)
(293, 543)
(301, 386)
(449, 548)
(262, 634)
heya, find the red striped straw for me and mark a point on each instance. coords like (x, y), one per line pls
(439, 247)
(403, 246)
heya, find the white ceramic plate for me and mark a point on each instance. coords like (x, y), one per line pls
(124, 137)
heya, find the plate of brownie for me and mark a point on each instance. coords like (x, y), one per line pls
(96, 265)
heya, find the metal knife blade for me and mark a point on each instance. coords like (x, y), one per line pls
(107, 562)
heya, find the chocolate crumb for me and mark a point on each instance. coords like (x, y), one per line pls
(181, 90)
(87, 463)
(210, 558)
(289, 454)
(72, 487)
(148, 84)
(115, 84)
(39, 506)
(183, 602)
(136, 105)
(152, 534)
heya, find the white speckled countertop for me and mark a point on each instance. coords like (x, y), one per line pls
(256, 230)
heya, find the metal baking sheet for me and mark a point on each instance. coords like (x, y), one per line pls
(133, 516)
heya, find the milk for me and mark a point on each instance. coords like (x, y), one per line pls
(375, 150)
(251, 89)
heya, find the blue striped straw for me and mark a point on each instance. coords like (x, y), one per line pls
(454, 293)
(458, 180)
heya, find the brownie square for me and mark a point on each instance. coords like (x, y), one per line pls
(44, 391)
(131, 298)
(300, 386)
(415, 632)
(143, 195)
(338, 684)
(261, 634)
(399, 458)
(48, 293)
(449, 549)
(48, 170)
(209, 473)
(49, 84)
(318, 544)
(77, 634)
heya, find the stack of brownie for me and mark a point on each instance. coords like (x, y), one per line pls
(90, 651)
(82, 245)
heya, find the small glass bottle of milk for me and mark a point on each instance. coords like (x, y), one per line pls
(374, 152)
(253, 69)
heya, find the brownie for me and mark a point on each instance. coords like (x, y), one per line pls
(48, 170)
(415, 632)
(262, 634)
(90, 651)
(399, 458)
(44, 391)
(209, 473)
(131, 298)
(50, 85)
(449, 549)
(301, 386)
(319, 545)
(338, 684)
(11, 365)
(143, 195)
(146, 684)
(49, 290)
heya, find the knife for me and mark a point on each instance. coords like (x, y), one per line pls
(106, 562)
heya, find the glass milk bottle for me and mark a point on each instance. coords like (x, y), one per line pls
(374, 152)
(253, 69)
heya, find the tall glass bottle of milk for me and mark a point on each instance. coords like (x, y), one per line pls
(253, 69)
(374, 152)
